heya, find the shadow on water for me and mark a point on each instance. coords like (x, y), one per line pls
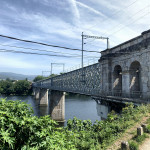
(104, 108)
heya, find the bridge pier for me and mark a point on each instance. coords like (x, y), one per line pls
(57, 105)
(36, 92)
(43, 97)
(125, 83)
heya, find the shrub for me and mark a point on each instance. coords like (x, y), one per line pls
(141, 138)
(19, 129)
(133, 145)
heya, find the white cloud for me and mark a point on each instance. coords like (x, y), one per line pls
(90, 9)
(74, 8)
(53, 28)
(8, 61)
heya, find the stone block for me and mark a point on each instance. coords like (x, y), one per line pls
(140, 131)
(144, 127)
(124, 145)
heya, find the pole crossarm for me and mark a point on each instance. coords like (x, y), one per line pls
(95, 37)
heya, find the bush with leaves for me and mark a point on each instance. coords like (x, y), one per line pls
(10, 87)
(19, 129)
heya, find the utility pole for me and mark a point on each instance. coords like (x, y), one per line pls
(98, 37)
(107, 43)
(93, 37)
(57, 64)
(45, 71)
(82, 49)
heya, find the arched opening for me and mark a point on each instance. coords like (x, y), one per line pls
(117, 81)
(135, 79)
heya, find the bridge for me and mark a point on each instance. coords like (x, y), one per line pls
(121, 74)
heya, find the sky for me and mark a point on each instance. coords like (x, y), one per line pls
(61, 23)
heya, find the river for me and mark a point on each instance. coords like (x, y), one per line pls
(83, 107)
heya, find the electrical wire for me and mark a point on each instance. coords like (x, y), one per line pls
(41, 50)
(128, 24)
(116, 12)
(40, 43)
(126, 20)
(13, 51)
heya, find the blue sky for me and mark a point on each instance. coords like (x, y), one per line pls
(61, 22)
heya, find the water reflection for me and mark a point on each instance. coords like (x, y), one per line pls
(82, 107)
(102, 111)
(103, 108)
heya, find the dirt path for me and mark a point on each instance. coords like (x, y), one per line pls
(145, 145)
(128, 135)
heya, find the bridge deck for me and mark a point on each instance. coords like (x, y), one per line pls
(119, 99)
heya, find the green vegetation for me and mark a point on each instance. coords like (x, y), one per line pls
(11, 87)
(21, 130)
(133, 145)
(138, 139)
(38, 78)
(148, 128)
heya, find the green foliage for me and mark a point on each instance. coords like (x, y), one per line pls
(141, 138)
(20, 130)
(21, 87)
(7, 87)
(133, 145)
(148, 128)
(38, 78)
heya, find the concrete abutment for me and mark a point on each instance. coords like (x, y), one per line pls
(54, 99)
(57, 105)
(43, 97)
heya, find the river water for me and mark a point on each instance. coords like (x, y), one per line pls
(83, 107)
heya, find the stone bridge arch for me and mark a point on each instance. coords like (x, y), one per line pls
(117, 80)
(135, 79)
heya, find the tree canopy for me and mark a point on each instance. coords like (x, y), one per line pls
(39, 77)
(10, 87)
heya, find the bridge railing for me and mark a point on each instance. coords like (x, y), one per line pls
(132, 94)
(83, 81)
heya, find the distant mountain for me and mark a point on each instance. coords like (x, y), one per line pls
(15, 76)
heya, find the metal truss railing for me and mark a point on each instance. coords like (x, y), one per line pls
(86, 81)
(131, 94)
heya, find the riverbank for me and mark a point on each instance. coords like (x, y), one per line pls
(20, 128)
(130, 134)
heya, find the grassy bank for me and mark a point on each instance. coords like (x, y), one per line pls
(21, 130)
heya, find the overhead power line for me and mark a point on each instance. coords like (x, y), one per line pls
(113, 14)
(40, 43)
(127, 20)
(133, 21)
(33, 53)
(13, 51)
(34, 49)
(41, 50)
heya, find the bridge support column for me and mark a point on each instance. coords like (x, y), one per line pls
(36, 92)
(43, 97)
(125, 83)
(57, 105)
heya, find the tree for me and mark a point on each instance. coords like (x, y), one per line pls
(52, 75)
(7, 87)
(22, 87)
(38, 78)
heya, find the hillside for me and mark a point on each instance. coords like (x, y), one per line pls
(15, 76)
